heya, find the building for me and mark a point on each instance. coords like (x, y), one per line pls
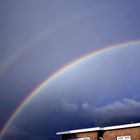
(119, 132)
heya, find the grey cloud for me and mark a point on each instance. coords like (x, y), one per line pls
(69, 106)
(127, 105)
(125, 108)
(85, 106)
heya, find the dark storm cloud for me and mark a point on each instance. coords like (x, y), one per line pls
(15, 130)
(125, 108)
(18, 133)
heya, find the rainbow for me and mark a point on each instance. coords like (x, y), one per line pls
(33, 42)
(59, 73)
(28, 47)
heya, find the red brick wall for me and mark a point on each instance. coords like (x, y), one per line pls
(113, 134)
(92, 135)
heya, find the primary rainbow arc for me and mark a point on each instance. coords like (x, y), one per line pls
(56, 74)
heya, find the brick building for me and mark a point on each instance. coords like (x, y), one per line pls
(119, 132)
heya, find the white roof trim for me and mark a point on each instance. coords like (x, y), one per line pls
(79, 131)
(121, 126)
(99, 128)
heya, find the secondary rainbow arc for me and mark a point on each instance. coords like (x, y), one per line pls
(59, 72)
(32, 43)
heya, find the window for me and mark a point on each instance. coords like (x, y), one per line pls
(124, 138)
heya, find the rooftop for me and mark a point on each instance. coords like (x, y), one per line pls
(99, 128)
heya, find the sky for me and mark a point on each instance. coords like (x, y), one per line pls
(37, 38)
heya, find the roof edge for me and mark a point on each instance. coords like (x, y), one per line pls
(99, 128)
(79, 131)
(121, 126)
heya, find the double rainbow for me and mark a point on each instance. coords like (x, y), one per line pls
(58, 73)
